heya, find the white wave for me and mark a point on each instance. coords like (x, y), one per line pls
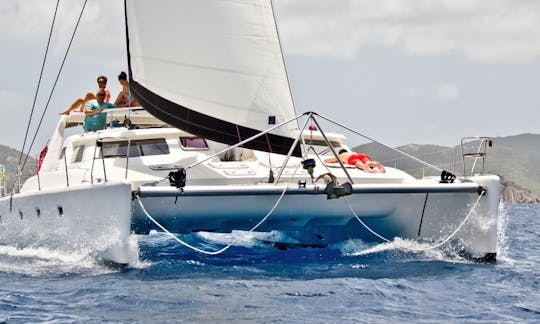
(237, 238)
(42, 253)
(40, 261)
(351, 246)
(409, 246)
(37, 261)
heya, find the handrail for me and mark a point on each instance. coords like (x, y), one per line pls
(480, 153)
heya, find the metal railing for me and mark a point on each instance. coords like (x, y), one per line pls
(467, 151)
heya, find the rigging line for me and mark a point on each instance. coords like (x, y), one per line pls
(431, 247)
(55, 81)
(39, 83)
(282, 56)
(375, 141)
(225, 248)
(245, 141)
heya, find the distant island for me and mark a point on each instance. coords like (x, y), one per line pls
(514, 158)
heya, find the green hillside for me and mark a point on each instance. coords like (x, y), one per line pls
(9, 157)
(515, 158)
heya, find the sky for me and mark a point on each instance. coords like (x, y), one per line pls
(400, 71)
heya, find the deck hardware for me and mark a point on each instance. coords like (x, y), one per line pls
(21, 214)
(271, 178)
(301, 183)
(334, 191)
(38, 212)
(60, 210)
(178, 178)
(309, 165)
(447, 177)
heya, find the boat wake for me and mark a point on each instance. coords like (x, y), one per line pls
(43, 261)
(38, 261)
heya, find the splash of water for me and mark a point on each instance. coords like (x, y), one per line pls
(502, 245)
(411, 247)
(43, 261)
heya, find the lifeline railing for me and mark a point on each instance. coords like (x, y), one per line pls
(310, 116)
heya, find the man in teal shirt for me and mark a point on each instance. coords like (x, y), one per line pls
(95, 118)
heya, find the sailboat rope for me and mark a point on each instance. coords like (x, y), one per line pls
(244, 141)
(380, 143)
(432, 246)
(225, 248)
(54, 85)
(39, 83)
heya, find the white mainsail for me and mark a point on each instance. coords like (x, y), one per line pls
(211, 67)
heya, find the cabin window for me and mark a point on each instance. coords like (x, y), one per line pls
(145, 147)
(79, 150)
(152, 146)
(193, 143)
(321, 143)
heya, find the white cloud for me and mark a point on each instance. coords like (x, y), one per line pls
(480, 31)
(28, 25)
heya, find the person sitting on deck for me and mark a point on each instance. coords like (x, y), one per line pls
(125, 98)
(78, 105)
(361, 160)
(102, 84)
(95, 118)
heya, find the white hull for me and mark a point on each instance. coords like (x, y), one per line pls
(305, 216)
(93, 218)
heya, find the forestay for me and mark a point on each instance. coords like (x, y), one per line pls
(212, 68)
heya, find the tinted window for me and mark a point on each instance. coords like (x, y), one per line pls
(136, 148)
(152, 146)
(193, 142)
(112, 149)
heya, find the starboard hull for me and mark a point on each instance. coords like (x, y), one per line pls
(305, 216)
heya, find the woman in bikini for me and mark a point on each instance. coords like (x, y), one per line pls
(125, 98)
(361, 160)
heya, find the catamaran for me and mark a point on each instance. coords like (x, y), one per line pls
(218, 146)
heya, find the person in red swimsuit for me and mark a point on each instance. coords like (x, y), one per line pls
(361, 160)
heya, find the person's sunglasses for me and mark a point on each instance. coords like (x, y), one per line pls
(102, 81)
(101, 95)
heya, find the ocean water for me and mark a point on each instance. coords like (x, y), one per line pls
(348, 283)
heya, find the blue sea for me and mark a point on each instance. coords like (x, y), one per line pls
(349, 282)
